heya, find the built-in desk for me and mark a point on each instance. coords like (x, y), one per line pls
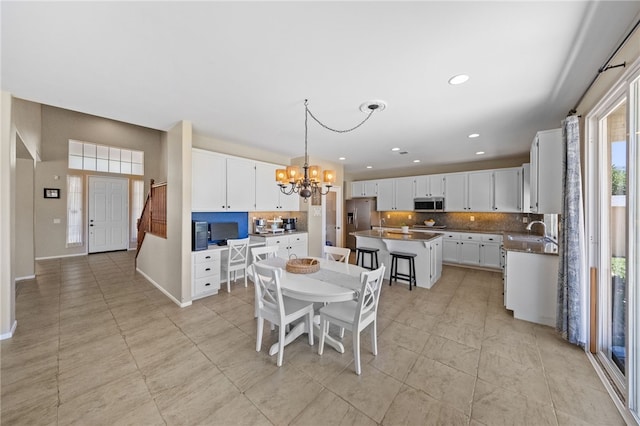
(206, 266)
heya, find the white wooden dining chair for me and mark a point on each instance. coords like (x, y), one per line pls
(279, 310)
(237, 260)
(339, 254)
(356, 315)
(258, 254)
(262, 253)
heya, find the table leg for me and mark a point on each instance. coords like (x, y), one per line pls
(300, 329)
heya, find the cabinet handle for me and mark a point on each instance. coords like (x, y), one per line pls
(207, 257)
(207, 269)
(207, 284)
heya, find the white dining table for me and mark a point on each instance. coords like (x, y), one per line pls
(334, 282)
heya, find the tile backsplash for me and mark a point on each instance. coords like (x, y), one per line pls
(510, 222)
(301, 224)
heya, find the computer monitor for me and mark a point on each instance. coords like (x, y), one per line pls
(222, 231)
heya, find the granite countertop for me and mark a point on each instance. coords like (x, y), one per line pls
(521, 242)
(398, 235)
(276, 234)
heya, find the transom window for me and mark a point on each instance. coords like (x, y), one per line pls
(102, 158)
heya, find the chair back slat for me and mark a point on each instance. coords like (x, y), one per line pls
(262, 253)
(238, 251)
(369, 293)
(267, 288)
(338, 254)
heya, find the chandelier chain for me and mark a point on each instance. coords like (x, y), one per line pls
(306, 102)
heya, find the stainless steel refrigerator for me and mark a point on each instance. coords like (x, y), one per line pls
(361, 216)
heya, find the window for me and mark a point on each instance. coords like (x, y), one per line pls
(74, 211)
(137, 203)
(613, 201)
(101, 158)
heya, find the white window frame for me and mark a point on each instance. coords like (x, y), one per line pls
(102, 158)
(75, 213)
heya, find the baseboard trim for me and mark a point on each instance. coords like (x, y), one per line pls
(60, 257)
(165, 292)
(27, 277)
(11, 332)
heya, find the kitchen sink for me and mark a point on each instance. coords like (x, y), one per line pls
(528, 238)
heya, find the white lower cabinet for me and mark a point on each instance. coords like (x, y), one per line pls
(435, 271)
(490, 251)
(289, 245)
(472, 249)
(531, 286)
(205, 275)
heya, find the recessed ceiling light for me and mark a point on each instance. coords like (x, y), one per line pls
(479, 152)
(416, 161)
(369, 167)
(458, 79)
(395, 149)
(473, 135)
(342, 158)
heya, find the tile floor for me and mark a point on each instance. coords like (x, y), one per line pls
(97, 344)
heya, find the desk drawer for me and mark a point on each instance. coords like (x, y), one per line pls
(206, 256)
(206, 269)
(207, 285)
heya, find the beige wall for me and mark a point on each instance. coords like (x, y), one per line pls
(314, 213)
(28, 122)
(628, 54)
(19, 124)
(60, 125)
(7, 217)
(24, 227)
(167, 262)
(442, 168)
(230, 148)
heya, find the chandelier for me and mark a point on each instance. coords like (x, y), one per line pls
(309, 182)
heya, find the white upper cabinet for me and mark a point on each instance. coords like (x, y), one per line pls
(456, 193)
(267, 190)
(480, 191)
(507, 191)
(222, 183)
(208, 182)
(241, 187)
(268, 194)
(396, 194)
(365, 188)
(546, 172)
(430, 186)
(498, 190)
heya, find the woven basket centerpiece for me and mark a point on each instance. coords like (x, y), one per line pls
(303, 266)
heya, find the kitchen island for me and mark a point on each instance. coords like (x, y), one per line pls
(427, 246)
(531, 278)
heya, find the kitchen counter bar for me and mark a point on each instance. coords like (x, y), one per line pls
(426, 246)
(398, 235)
(519, 242)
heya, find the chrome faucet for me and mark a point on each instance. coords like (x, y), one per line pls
(544, 230)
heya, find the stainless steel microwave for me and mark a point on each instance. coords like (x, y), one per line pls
(428, 204)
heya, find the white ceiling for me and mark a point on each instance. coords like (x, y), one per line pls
(240, 71)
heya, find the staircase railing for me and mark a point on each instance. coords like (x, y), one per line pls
(153, 219)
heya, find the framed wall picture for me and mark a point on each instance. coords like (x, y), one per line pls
(51, 193)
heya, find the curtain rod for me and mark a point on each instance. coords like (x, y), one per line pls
(606, 67)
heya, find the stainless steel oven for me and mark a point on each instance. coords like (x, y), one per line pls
(428, 204)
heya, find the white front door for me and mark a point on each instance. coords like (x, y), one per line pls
(108, 214)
